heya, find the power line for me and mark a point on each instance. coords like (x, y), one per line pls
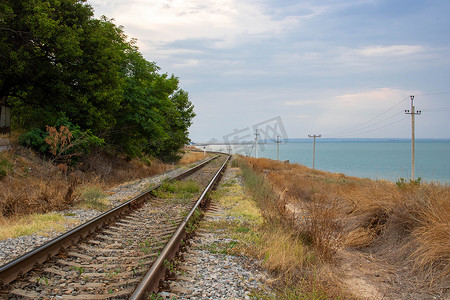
(356, 130)
(434, 94)
(345, 131)
(378, 128)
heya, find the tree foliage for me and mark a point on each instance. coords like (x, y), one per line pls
(58, 61)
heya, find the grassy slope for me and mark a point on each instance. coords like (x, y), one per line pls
(405, 226)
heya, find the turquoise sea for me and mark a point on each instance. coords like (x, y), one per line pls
(371, 158)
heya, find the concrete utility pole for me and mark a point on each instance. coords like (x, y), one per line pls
(412, 112)
(278, 147)
(256, 143)
(314, 147)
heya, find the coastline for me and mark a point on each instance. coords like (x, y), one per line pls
(377, 159)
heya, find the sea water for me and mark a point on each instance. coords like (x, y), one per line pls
(369, 158)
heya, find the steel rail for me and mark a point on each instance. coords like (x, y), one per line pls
(151, 281)
(23, 264)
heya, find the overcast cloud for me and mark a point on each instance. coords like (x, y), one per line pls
(330, 67)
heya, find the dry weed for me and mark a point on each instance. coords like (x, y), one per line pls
(33, 185)
(431, 235)
(112, 169)
(283, 250)
(190, 157)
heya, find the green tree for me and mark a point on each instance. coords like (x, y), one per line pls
(57, 58)
(179, 113)
(58, 62)
(147, 120)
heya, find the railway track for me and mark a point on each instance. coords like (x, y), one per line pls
(122, 254)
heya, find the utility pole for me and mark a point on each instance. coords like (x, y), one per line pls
(256, 143)
(314, 147)
(412, 112)
(278, 147)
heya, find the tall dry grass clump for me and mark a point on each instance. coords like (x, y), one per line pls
(32, 186)
(286, 251)
(430, 242)
(406, 224)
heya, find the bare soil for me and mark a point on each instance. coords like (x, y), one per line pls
(369, 277)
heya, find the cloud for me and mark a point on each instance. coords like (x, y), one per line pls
(379, 96)
(220, 20)
(300, 102)
(394, 50)
(189, 63)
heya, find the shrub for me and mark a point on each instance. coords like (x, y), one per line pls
(63, 142)
(402, 183)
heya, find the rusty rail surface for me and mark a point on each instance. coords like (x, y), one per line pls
(151, 280)
(15, 268)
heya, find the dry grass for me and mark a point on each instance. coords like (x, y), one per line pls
(405, 224)
(29, 184)
(42, 223)
(190, 157)
(430, 237)
(111, 169)
(32, 185)
(91, 196)
(286, 251)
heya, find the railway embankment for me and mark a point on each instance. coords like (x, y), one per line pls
(67, 219)
(216, 265)
(38, 201)
(108, 256)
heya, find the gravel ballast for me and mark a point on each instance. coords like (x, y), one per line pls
(210, 273)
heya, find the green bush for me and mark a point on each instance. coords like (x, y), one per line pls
(35, 139)
(403, 183)
(80, 142)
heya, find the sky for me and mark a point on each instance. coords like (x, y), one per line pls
(339, 68)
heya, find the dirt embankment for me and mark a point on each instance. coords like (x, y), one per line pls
(30, 184)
